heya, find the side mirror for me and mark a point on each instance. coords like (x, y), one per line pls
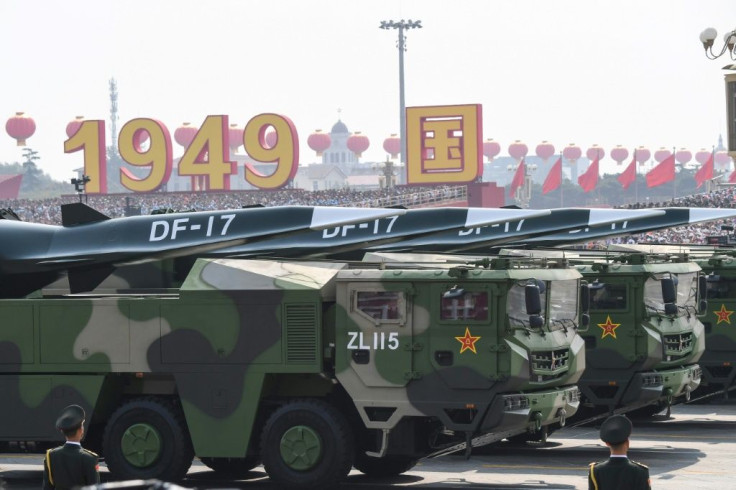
(669, 293)
(536, 321)
(533, 299)
(585, 321)
(585, 297)
(702, 307)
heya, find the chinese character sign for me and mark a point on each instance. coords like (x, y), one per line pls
(444, 144)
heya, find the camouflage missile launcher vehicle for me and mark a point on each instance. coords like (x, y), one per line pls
(310, 368)
(645, 337)
(719, 359)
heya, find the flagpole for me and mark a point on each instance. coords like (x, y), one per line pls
(674, 181)
(636, 178)
(562, 181)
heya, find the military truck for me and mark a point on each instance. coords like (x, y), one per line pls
(311, 368)
(719, 360)
(645, 336)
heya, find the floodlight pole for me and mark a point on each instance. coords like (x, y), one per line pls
(400, 26)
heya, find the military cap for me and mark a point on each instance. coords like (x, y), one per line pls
(616, 429)
(70, 418)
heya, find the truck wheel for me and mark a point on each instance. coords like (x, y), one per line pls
(232, 467)
(307, 444)
(147, 438)
(383, 467)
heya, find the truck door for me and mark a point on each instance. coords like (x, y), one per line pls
(462, 335)
(378, 333)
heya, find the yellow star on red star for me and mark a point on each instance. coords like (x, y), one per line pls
(723, 315)
(609, 328)
(467, 341)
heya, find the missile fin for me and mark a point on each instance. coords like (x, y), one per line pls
(78, 213)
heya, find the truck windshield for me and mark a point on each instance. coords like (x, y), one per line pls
(687, 289)
(516, 305)
(563, 304)
(653, 292)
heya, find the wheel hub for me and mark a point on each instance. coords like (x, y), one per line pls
(141, 445)
(301, 448)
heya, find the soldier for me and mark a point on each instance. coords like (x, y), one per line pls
(619, 472)
(70, 465)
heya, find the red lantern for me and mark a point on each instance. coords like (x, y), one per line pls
(683, 156)
(545, 150)
(319, 141)
(572, 152)
(358, 143)
(184, 134)
(702, 156)
(619, 154)
(595, 152)
(73, 126)
(642, 154)
(271, 139)
(518, 150)
(661, 154)
(491, 149)
(235, 137)
(20, 127)
(392, 145)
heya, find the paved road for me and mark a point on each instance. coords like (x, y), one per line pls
(692, 450)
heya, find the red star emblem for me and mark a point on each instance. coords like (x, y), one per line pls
(467, 341)
(609, 328)
(723, 315)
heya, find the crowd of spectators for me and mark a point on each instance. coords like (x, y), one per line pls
(696, 233)
(48, 211)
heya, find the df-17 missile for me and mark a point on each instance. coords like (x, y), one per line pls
(668, 218)
(481, 239)
(349, 241)
(89, 245)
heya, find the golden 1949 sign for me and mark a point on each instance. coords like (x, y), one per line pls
(444, 145)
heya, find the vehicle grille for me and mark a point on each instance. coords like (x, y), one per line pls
(677, 346)
(548, 365)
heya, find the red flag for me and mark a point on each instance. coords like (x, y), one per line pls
(732, 178)
(664, 172)
(628, 176)
(518, 179)
(554, 177)
(705, 172)
(589, 179)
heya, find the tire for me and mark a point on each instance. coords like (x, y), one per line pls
(307, 444)
(147, 438)
(232, 467)
(383, 467)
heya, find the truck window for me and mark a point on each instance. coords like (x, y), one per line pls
(473, 305)
(720, 287)
(380, 305)
(607, 296)
(563, 303)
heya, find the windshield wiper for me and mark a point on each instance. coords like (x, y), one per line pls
(523, 324)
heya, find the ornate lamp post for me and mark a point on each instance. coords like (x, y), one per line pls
(708, 37)
(401, 26)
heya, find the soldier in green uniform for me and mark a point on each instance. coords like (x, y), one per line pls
(619, 472)
(70, 465)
